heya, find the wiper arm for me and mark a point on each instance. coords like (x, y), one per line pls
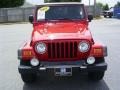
(69, 19)
(58, 19)
(65, 19)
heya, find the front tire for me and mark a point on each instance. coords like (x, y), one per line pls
(28, 78)
(96, 76)
(110, 16)
(105, 16)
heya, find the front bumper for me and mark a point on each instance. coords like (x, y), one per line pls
(83, 67)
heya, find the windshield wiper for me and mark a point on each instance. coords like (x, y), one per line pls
(73, 19)
(59, 19)
(64, 19)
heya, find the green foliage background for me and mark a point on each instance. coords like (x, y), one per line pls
(106, 7)
(11, 3)
(62, 0)
(103, 6)
(118, 4)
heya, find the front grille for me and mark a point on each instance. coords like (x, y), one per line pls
(59, 50)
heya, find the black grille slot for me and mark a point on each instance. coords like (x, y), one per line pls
(53, 50)
(66, 50)
(49, 50)
(59, 50)
(71, 50)
(75, 49)
(62, 50)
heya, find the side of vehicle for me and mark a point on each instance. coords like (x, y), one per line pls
(69, 45)
(108, 13)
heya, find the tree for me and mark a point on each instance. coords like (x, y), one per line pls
(118, 4)
(62, 0)
(106, 7)
(100, 4)
(11, 3)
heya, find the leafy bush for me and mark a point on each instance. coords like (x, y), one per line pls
(118, 4)
(11, 3)
(106, 7)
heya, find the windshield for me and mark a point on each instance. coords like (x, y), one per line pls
(60, 12)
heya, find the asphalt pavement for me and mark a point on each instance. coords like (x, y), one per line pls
(13, 35)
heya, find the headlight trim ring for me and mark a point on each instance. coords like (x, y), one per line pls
(36, 48)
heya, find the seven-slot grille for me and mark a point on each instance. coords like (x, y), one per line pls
(59, 50)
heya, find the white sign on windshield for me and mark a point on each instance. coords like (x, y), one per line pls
(40, 15)
(41, 12)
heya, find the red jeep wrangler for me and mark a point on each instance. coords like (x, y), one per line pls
(60, 42)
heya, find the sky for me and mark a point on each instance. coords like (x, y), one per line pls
(110, 2)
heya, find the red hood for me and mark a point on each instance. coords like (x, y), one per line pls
(60, 30)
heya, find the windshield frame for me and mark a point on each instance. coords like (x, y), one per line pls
(81, 5)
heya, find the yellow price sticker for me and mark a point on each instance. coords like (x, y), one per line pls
(45, 8)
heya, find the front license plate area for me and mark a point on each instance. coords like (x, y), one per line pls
(63, 71)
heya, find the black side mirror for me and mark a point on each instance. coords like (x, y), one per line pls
(31, 18)
(90, 18)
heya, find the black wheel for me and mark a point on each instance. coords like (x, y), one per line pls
(110, 16)
(105, 16)
(28, 78)
(96, 76)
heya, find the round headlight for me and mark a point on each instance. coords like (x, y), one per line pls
(41, 48)
(34, 62)
(83, 46)
(91, 60)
